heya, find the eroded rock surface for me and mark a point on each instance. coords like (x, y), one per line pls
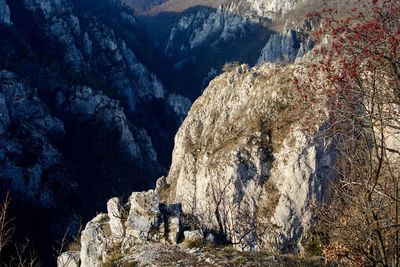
(234, 169)
(115, 236)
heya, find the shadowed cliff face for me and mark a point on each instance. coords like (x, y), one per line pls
(82, 118)
(196, 38)
(244, 172)
(197, 43)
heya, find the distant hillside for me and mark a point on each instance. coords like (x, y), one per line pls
(142, 5)
(181, 5)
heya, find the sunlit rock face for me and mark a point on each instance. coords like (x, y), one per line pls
(113, 236)
(268, 8)
(230, 158)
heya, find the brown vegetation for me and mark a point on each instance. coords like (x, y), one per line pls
(360, 66)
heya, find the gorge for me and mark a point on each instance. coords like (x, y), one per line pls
(183, 116)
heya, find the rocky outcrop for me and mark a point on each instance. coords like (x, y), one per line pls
(233, 168)
(244, 171)
(115, 213)
(4, 13)
(273, 8)
(143, 219)
(94, 241)
(113, 236)
(69, 259)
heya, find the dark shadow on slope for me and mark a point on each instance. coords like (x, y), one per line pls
(184, 70)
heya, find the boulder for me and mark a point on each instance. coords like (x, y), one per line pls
(144, 218)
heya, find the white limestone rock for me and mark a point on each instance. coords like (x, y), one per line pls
(115, 213)
(272, 8)
(281, 47)
(69, 259)
(229, 156)
(95, 241)
(144, 218)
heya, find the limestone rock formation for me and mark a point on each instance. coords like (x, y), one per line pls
(69, 259)
(115, 214)
(143, 219)
(243, 167)
(94, 241)
(284, 48)
(114, 236)
(243, 171)
(273, 8)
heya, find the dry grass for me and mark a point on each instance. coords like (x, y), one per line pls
(74, 245)
(194, 243)
(182, 5)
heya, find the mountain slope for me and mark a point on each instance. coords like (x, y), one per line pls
(82, 118)
(243, 173)
(93, 95)
(241, 145)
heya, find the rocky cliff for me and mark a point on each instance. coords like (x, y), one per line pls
(90, 102)
(244, 170)
(204, 36)
(81, 116)
(240, 155)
